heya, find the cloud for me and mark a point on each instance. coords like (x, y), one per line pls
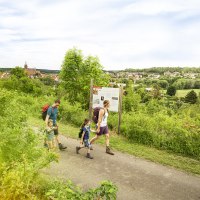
(122, 34)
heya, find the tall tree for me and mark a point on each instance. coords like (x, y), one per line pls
(171, 90)
(155, 92)
(76, 73)
(131, 101)
(191, 97)
(18, 72)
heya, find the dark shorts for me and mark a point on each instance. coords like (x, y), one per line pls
(56, 130)
(103, 130)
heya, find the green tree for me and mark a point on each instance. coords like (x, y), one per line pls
(155, 93)
(191, 97)
(171, 90)
(18, 72)
(47, 81)
(163, 83)
(132, 100)
(76, 74)
(197, 84)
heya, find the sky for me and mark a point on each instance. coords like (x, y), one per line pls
(121, 33)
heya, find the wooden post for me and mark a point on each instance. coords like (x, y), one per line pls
(120, 107)
(91, 99)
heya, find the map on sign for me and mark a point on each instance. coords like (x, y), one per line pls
(103, 93)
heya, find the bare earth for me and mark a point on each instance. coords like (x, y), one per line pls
(136, 178)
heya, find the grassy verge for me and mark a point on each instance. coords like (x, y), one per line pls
(122, 144)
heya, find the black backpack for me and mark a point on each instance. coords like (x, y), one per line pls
(80, 133)
(95, 116)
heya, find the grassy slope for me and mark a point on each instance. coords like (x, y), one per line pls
(122, 144)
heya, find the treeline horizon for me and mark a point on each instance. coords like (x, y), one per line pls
(159, 70)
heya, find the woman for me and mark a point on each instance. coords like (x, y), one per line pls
(102, 126)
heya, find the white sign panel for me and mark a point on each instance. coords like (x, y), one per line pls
(103, 93)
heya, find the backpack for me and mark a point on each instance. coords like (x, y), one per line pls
(80, 133)
(95, 116)
(44, 111)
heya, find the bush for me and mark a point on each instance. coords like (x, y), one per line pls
(191, 97)
(171, 90)
(21, 156)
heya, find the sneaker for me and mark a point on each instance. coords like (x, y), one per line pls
(77, 150)
(108, 151)
(61, 147)
(91, 148)
(89, 156)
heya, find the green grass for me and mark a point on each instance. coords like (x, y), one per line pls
(183, 93)
(122, 144)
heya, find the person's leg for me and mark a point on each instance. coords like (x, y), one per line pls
(50, 143)
(56, 133)
(54, 143)
(78, 148)
(107, 139)
(106, 132)
(94, 139)
(87, 144)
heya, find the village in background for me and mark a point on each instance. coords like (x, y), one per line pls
(154, 73)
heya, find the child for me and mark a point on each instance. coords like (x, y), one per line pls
(50, 138)
(85, 138)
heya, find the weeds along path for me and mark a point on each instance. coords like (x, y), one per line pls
(137, 179)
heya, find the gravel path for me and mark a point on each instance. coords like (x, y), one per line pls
(136, 178)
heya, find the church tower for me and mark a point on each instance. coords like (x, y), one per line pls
(25, 66)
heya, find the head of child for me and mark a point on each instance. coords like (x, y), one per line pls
(50, 123)
(86, 122)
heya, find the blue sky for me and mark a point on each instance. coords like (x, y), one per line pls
(122, 33)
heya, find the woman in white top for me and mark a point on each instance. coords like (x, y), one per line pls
(102, 126)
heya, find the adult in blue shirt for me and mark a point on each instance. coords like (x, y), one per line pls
(52, 113)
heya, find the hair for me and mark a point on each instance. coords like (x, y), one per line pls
(85, 122)
(57, 101)
(106, 102)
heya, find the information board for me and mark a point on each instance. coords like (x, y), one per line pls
(104, 93)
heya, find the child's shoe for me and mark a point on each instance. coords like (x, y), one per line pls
(61, 147)
(89, 156)
(77, 150)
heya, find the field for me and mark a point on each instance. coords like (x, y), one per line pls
(183, 93)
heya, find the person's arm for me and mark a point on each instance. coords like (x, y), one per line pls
(46, 120)
(48, 115)
(101, 114)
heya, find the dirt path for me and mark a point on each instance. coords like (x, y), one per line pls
(137, 179)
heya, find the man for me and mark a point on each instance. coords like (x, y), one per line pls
(52, 113)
